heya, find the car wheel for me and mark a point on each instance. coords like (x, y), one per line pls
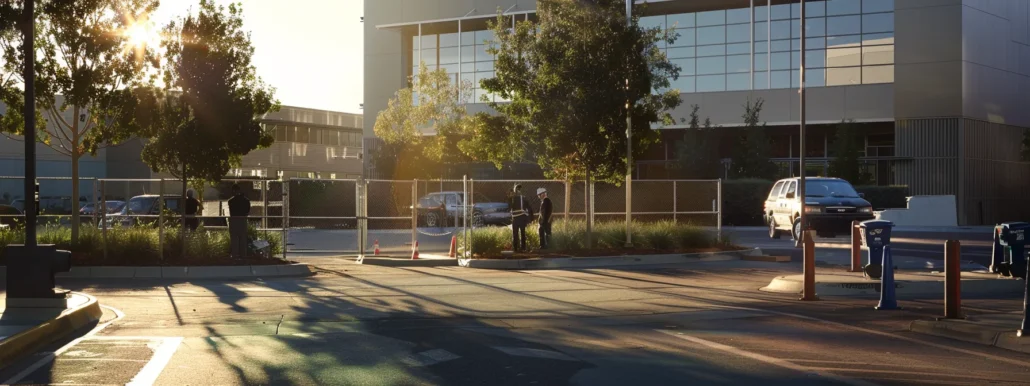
(477, 219)
(773, 232)
(432, 220)
(796, 229)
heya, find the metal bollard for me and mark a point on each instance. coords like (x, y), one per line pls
(808, 251)
(856, 247)
(952, 280)
(888, 301)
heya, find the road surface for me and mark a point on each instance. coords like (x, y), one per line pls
(688, 324)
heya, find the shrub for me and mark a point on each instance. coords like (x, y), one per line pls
(885, 197)
(570, 236)
(743, 200)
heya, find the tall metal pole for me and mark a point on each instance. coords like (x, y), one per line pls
(808, 245)
(29, 77)
(629, 139)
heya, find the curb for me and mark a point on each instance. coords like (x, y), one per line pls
(402, 262)
(781, 284)
(970, 332)
(50, 331)
(604, 261)
(213, 272)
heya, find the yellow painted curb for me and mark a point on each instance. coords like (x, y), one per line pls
(50, 331)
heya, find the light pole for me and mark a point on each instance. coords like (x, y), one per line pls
(629, 138)
(29, 112)
(808, 256)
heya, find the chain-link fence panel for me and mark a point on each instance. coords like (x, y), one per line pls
(57, 203)
(390, 206)
(322, 216)
(698, 202)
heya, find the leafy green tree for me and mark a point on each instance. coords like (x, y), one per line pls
(563, 83)
(207, 117)
(698, 151)
(751, 159)
(87, 69)
(846, 150)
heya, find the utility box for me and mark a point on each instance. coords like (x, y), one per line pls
(876, 234)
(31, 270)
(1012, 236)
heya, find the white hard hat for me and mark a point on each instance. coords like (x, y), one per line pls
(540, 191)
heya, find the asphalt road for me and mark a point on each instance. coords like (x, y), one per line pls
(688, 324)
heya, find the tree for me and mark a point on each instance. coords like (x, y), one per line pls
(846, 150)
(751, 160)
(207, 117)
(566, 81)
(88, 65)
(698, 151)
(424, 122)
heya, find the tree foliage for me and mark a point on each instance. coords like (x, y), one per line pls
(751, 159)
(87, 73)
(846, 150)
(563, 83)
(698, 152)
(207, 117)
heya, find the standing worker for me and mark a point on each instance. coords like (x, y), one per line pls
(520, 215)
(192, 210)
(239, 209)
(546, 209)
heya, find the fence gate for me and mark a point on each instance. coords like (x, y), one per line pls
(321, 217)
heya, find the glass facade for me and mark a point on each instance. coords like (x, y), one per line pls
(847, 42)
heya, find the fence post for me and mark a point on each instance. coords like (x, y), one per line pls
(472, 199)
(414, 213)
(952, 279)
(675, 207)
(568, 199)
(856, 247)
(285, 214)
(161, 220)
(103, 217)
(718, 216)
(264, 209)
(96, 205)
(359, 213)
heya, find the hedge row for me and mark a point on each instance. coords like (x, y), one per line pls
(743, 200)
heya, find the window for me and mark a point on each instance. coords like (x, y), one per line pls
(452, 199)
(711, 35)
(711, 83)
(879, 22)
(843, 7)
(878, 74)
(738, 33)
(775, 192)
(844, 25)
(711, 18)
(713, 65)
(738, 63)
(739, 15)
(877, 55)
(791, 189)
(843, 76)
(711, 50)
(843, 57)
(683, 20)
(871, 6)
(686, 66)
(680, 52)
(737, 82)
(686, 37)
(685, 84)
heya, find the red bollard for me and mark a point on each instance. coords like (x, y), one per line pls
(856, 247)
(808, 252)
(952, 279)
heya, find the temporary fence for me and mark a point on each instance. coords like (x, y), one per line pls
(351, 217)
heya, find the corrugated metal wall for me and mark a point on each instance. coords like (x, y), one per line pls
(978, 162)
(997, 181)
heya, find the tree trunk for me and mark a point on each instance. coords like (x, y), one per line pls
(182, 206)
(75, 192)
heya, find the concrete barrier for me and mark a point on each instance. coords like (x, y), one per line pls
(924, 211)
(83, 310)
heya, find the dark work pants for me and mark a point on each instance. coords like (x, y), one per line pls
(518, 233)
(238, 236)
(545, 234)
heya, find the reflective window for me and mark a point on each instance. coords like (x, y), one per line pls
(761, 31)
(449, 55)
(449, 40)
(485, 66)
(814, 9)
(711, 50)
(739, 48)
(650, 22)
(683, 20)
(761, 62)
(684, 84)
(761, 13)
(843, 25)
(780, 30)
(761, 80)
(740, 15)
(712, 65)
(711, 35)
(843, 41)
(780, 61)
(738, 63)
(680, 52)
(780, 79)
(429, 41)
(686, 66)
(879, 22)
(761, 47)
(711, 83)
(468, 54)
(843, 57)
(711, 18)
(843, 7)
(735, 82)
(738, 33)
(780, 45)
(877, 55)
(686, 37)
(815, 77)
(429, 56)
(871, 6)
(843, 76)
(878, 74)
(780, 12)
(468, 67)
(484, 37)
(813, 27)
(877, 39)
(482, 55)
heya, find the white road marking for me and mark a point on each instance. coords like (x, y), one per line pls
(49, 357)
(535, 353)
(162, 355)
(429, 358)
(768, 359)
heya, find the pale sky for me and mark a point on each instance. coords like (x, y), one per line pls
(311, 51)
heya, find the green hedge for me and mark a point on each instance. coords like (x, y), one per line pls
(570, 236)
(743, 201)
(885, 197)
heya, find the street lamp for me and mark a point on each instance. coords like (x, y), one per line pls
(808, 256)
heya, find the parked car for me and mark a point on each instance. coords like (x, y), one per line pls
(10, 216)
(140, 210)
(112, 207)
(484, 212)
(831, 204)
(49, 205)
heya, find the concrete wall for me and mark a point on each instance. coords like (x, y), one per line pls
(996, 61)
(923, 211)
(927, 58)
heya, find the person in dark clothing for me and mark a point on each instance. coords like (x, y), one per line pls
(192, 209)
(239, 209)
(521, 212)
(546, 208)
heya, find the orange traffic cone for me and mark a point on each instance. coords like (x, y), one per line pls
(454, 246)
(414, 252)
(376, 245)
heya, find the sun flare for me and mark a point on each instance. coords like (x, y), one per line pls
(141, 34)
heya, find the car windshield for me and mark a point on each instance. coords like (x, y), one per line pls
(114, 205)
(139, 205)
(830, 188)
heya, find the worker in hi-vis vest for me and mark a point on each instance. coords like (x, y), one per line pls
(521, 212)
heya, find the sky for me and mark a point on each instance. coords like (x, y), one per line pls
(311, 51)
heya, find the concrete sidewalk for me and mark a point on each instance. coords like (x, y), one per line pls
(901, 229)
(907, 284)
(997, 330)
(25, 329)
